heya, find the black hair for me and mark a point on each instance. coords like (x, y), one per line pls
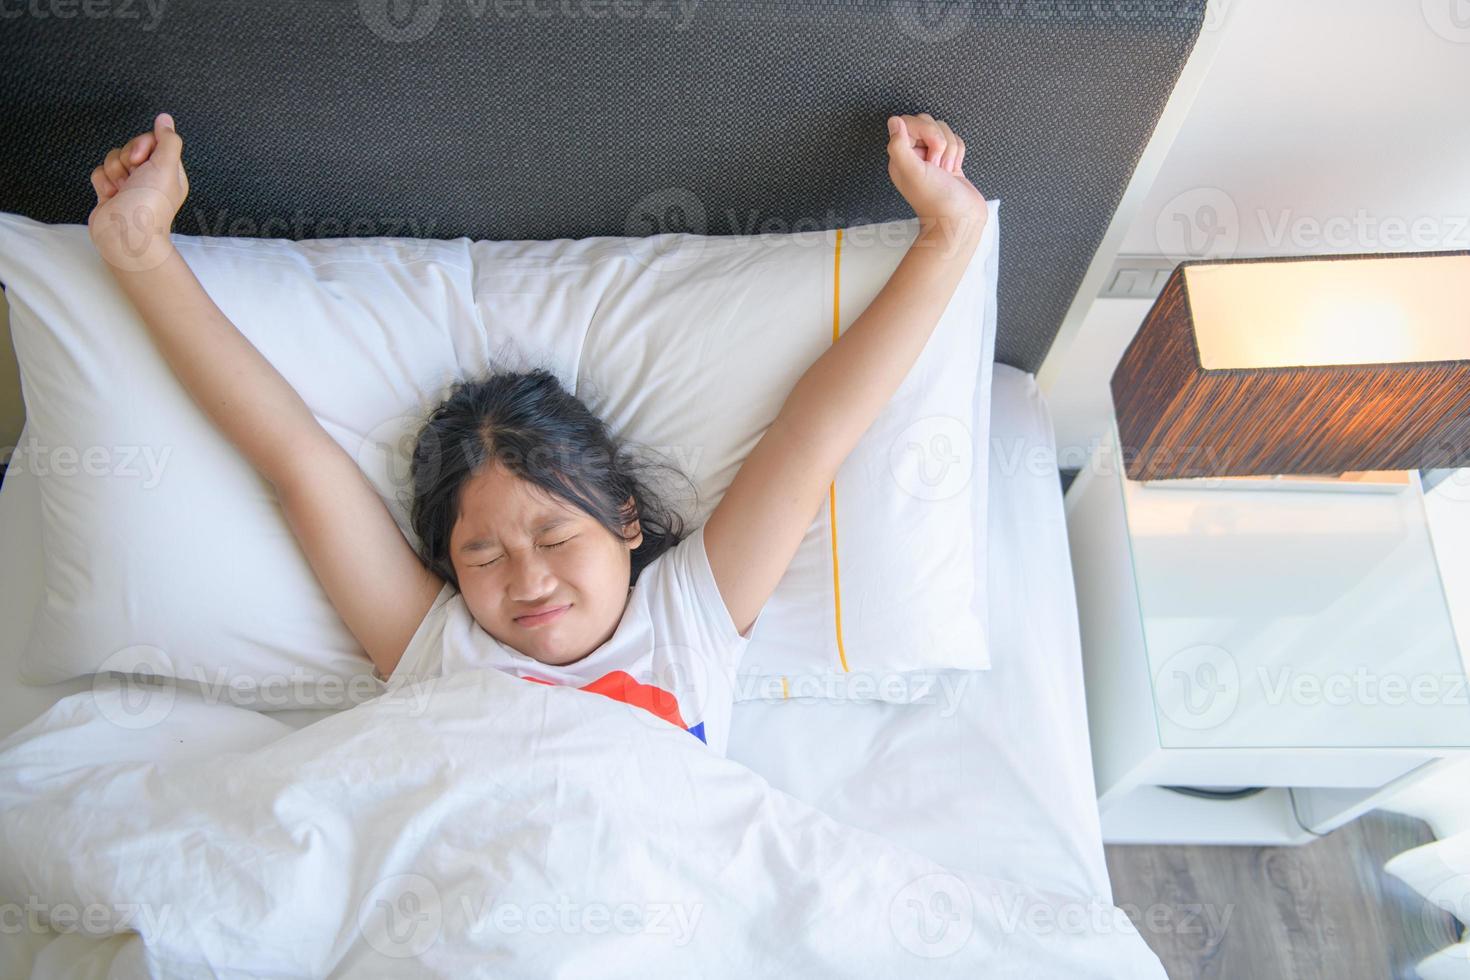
(528, 423)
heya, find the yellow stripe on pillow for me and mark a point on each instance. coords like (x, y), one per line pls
(832, 490)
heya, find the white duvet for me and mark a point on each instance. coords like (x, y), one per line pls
(473, 825)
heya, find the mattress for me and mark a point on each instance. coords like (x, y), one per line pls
(995, 773)
(992, 773)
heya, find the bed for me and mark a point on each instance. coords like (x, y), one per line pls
(995, 778)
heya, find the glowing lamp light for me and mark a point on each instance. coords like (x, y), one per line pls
(1317, 365)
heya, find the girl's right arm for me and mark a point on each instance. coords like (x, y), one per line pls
(364, 563)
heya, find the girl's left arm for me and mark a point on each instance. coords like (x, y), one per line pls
(754, 532)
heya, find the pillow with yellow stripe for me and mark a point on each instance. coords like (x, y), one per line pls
(691, 354)
(686, 345)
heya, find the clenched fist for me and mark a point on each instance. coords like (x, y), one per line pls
(140, 187)
(925, 160)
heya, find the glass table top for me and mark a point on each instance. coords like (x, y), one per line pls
(1293, 618)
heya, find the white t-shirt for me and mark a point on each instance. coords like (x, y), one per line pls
(674, 652)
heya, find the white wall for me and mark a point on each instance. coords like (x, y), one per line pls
(1080, 403)
(1323, 126)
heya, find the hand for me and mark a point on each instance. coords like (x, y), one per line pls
(140, 188)
(925, 160)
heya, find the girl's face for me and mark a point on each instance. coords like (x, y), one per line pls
(517, 550)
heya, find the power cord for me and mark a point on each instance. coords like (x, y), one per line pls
(1297, 817)
(1240, 794)
(1216, 794)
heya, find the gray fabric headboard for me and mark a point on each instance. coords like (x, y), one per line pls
(542, 119)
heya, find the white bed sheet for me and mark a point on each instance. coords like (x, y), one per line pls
(993, 775)
(998, 778)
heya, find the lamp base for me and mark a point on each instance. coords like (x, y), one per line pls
(1358, 481)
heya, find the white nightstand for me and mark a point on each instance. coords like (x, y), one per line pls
(1258, 637)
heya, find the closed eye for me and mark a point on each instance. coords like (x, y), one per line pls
(492, 561)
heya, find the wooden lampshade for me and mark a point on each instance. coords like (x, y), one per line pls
(1300, 365)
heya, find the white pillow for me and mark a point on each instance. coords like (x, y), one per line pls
(161, 543)
(910, 499)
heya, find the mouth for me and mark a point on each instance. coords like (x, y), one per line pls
(541, 619)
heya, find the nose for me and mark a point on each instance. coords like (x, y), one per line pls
(531, 580)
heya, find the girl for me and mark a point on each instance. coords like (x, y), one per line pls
(542, 553)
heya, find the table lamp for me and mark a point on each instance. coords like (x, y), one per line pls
(1326, 366)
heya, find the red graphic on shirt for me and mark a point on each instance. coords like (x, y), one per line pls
(620, 686)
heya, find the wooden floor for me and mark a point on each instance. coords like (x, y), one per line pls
(1321, 911)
